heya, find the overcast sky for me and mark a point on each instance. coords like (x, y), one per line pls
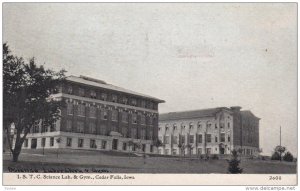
(193, 56)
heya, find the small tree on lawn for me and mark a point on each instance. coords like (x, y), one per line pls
(181, 147)
(280, 150)
(26, 97)
(158, 143)
(233, 167)
(190, 148)
(275, 156)
(288, 157)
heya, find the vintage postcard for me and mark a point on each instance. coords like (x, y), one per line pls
(150, 94)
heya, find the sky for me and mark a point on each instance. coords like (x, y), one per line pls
(192, 55)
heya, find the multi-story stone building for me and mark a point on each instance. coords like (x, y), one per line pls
(99, 116)
(209, 131)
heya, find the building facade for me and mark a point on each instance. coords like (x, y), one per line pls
(209, 131)
(99, 116)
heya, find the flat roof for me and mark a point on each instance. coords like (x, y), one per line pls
(102, 84)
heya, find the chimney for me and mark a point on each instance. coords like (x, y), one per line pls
(235, 108)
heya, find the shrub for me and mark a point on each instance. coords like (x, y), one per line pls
(233, 167)
(275, 156)
(288, 157)
(215, 157)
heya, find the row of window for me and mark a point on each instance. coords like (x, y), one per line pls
(113, 98)
(198, 151)
(104, 114)
(80, 144)
(191, 139)
(103, 130)
(191, 126)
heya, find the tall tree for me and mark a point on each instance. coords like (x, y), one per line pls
(27, 90)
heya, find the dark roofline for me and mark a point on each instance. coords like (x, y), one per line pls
(191, 117)
(104, 85)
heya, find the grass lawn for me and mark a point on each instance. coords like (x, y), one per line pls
(116, 162)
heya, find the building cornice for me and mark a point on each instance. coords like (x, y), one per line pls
(63, 95)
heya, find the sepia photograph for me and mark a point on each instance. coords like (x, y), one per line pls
(150, 94)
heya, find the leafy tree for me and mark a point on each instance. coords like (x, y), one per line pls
(275, 156)
(190, 148)
(182, 147)
(26, 97)
(280, 150)
(288, 157)
(233, 167)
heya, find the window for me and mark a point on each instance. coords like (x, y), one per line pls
(216, 126)
(69, 108)
(93, 144)
(143, 147)
(80, 127)
(182, 139)
(53, 126)
(175, 139)
(114, 98)
(103, 129)
(36, 126)
(81, 92)
(216, 139)
(92, 128)
(166, 151)
(208, 125)
(80, 143)
(93, 94)
(199, 125)
(228, 125)
(124, 147)
(69, 142)
(208, 138)
(69, 126)
(167, 140)
(81, 110)
(51, 141)
(208, 150)
(191, 139)
(199, 138)
(124, 100)
(103, 144)
(93, 112)
(104, 96)
(124, 131)
(151, 148)
(133, 102)
(143, 134)
(133, 133)
(114, 128)
(228, 138)
(43, 143)
(150, 135)
(143, 119)
(26, 143)
(70, 90)
(151, 121)
(134, 118)
(222, 137)
(143, 103)
(150, 105)
(199, 151)
(104, 115)
(125, 117)
(114, 115)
